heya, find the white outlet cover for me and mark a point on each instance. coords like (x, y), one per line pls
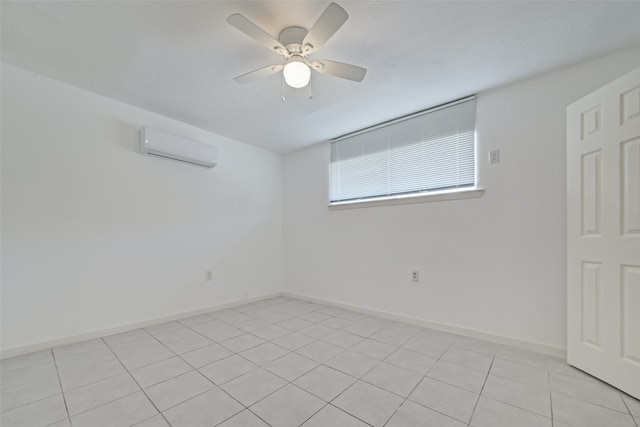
(494, 156)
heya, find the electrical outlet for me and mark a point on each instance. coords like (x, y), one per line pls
(494, 156)
(415, 276)
(208, 276)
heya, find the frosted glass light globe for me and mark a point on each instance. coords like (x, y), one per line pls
(297, 73)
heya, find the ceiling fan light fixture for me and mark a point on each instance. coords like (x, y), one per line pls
(295, 44)
(296, 73)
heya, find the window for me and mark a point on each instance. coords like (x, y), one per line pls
(426, 152)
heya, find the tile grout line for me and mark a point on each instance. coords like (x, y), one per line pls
(279, 388)
(416, 386)
(628, 410)
(138, 384)
(320, 364)
(475, 407)
(287, 382)
(325, 404)
(35, 400)
(553, 422)
(244, 408)
(64, 399)
(450, 345)
(195, 369)
(597, 405)
(262, 367)
(512, 405)
(348, 413)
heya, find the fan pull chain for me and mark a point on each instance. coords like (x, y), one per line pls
(283, 98)
(309, 90)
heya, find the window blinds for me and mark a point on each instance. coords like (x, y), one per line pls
(430, 151)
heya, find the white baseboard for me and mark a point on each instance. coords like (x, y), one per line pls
(43, 345)
(495, 338)
(499, 339)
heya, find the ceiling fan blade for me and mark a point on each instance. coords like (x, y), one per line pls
(327, 24)
(257, 33)
(258, 74)
(339, 69)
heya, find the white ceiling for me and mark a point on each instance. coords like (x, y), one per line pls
(178, 58)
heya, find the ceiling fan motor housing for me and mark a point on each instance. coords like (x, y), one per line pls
(292, 38)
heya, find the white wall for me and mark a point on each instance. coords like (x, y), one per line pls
(494, 264)
(95, 235)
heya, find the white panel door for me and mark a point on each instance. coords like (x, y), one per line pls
(603, 221)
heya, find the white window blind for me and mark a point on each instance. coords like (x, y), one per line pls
(429, 151)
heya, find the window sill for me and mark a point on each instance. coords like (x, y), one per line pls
(471, 193)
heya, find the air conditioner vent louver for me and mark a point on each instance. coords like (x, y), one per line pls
(158, 143)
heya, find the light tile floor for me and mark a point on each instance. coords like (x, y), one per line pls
(288, 362)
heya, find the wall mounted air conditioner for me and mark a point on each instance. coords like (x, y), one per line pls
(158, 143)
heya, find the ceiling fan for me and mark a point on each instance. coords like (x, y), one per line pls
(295, 44)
